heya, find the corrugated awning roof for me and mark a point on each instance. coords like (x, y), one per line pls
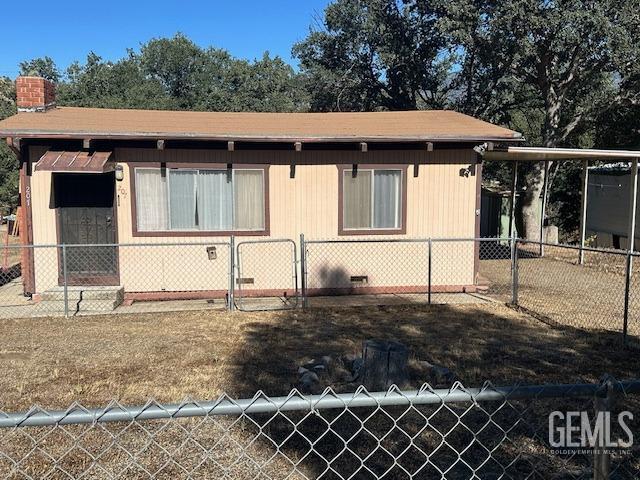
(408, 126)
(537, 154)
(75, 162)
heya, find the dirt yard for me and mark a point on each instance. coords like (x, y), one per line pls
(131, 358)
(557, 289)
(168, 356)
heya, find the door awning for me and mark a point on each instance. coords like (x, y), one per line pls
(75, 162)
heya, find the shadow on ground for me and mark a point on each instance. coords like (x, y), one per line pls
(504, 347)
(478, 344)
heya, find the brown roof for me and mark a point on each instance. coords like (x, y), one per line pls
(424, 125)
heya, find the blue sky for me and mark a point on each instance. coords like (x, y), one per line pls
(69, 29)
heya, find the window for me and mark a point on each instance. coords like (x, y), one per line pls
(199, 200)
(372, 199)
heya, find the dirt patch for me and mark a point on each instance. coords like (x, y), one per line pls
(556, 288)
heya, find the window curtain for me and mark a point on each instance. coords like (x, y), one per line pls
(248, 194)
(215, 200)
(151, 200)
(386, 199)
(357, 200)
(182, 199)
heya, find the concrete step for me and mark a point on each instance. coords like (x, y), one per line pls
(75, 294)
(81, 299)
(99, 305)
(51, 308)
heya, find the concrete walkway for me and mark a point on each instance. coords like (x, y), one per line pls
(14, 305)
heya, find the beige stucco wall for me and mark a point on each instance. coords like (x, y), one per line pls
(440, 203)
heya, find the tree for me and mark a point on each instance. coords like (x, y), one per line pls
(43, 67)
(122, 84)
(375, 54)
(8, 161)
(564, 58)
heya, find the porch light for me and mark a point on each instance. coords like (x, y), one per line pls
(119, 172)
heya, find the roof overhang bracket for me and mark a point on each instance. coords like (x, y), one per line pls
(364, 147)
(160, 144)
(231, 146)
(292, 168)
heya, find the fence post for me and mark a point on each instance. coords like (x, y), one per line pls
(64, 281)
(232, 273)
(627, 293)
(430, 248)
(514, 270)
(303, 270)
(603, 403)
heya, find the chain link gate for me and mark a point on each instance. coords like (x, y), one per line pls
(266, 275)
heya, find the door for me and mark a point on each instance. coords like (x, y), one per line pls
(87, 225)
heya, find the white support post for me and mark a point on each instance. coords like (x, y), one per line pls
(633, 205)
(631, 236)
(512, 207)
(543, 212)
(583, 209)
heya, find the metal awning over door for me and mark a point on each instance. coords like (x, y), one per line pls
(75, 162)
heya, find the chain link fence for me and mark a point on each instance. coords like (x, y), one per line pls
(457, 433)
(548, 280)
(267, 275)
(601, 294)
(374, 268)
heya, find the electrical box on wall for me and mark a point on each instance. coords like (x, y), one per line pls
(212, 253)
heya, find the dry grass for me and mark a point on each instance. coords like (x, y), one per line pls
(53, 362)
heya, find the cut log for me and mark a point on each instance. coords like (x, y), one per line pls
(385, 364)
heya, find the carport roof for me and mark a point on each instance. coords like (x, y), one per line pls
(536, 154)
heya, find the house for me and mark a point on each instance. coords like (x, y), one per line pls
(608, 205)
(141, 178)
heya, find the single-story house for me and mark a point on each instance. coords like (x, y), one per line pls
(142, 177)
(608, 202)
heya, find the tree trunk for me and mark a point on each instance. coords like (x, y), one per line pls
(530, 204)
(534, 180)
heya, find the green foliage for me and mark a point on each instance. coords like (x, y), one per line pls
(43, 67)
(375, 54)
(8, 161)
(176, 74)
(122, 84)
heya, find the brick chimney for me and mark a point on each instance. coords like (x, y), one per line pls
(35, 94)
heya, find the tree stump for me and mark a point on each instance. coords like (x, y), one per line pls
(385, 364)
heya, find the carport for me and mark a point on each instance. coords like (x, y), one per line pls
(516, 154)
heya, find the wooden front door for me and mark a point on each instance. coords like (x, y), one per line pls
(87, 225)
